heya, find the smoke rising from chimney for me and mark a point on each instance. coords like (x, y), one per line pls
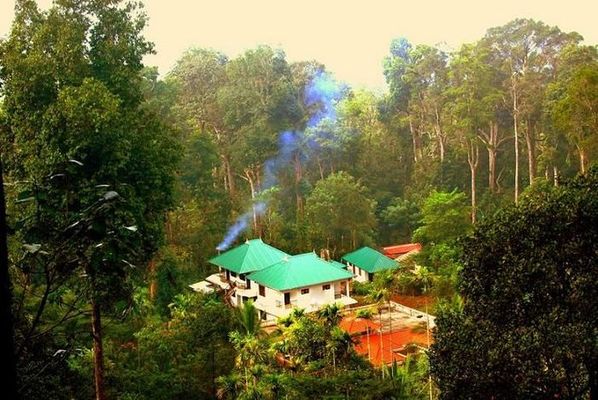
(323, 93)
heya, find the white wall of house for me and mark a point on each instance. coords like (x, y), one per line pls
(314, 298)
(272, 303)
(359, 274)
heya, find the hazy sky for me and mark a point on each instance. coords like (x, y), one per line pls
(350, 37)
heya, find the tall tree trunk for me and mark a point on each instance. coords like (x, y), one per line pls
(381, 342)
(228, 172)
(320, 167)
(298, 179)
(369, 347)
(492, 142)
(250, 177)
(389, 316)
(582, 160)
(252, 186)
(492, 170)
(98, 349)
(153, 287)
(428, 340)
(38, 314)
(591, 367)
(473, 157)
(555, 174)
(530, 141)
(516, 141)
(7, 344)
(439, 135)
(415, 140)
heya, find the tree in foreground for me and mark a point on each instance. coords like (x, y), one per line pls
(93, 167)
(528, 325)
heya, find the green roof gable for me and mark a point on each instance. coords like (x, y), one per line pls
(370, 260)
(251, 256)
(299, 271)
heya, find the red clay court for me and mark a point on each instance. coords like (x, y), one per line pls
(392, 347)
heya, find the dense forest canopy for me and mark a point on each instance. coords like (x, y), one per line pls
(121, 184)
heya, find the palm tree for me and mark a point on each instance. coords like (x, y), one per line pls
(251, 351)
(229, 387)
(276, 384)
(377, 296)
(339, 343)
(384, 283)
(331, 314)
(249, 320)
(367, 315)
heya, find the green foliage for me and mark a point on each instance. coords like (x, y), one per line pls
(94, 162)
(526, 328)
(169, 283)
(180, 358)
(91, 140)
(445, 217)
(249, 319)
(361, 288)
(572, 101)
(403, 218)
(340, 213)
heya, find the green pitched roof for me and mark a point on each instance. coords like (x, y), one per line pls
(337, 264)
(251, 256)
(299, 271)
(370, 260)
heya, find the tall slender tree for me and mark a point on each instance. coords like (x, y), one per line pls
(95, 157)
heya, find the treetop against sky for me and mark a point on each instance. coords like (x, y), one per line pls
(350, 38)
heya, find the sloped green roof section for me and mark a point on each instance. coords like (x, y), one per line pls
(370, 260)
(299, 271)
(251, 256)
(338, 264)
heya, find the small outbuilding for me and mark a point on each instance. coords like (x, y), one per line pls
(365, 262)
(401, 252)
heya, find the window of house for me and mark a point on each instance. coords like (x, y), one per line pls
(248, 283)
(262, 290)
(325, 287)
(233, 274)
(304, 291)
(360, 272)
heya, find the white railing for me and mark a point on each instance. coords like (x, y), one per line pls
(414, 313)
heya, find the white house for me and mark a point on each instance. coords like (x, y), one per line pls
(303, 281)
(276, 281)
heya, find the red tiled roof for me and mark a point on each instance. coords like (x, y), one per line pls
(387, 350)
(354, 325)
(400, 249)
